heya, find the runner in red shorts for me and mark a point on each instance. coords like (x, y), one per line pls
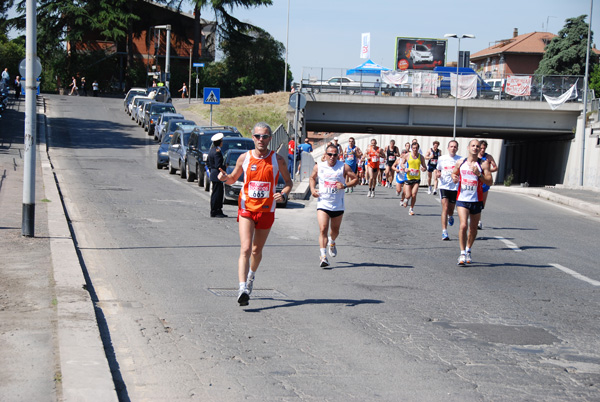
(256, 214)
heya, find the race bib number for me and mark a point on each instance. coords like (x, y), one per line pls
(259, 189)
(434, 161)
(374, 159)
(350, 157)
(413, 172)
(468, 185)
(392, 158)
(330, 187)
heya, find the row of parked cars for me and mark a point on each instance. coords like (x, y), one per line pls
(184, 145)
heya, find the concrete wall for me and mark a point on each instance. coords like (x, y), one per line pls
(591, 176)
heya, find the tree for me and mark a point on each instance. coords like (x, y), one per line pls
(254, 60)
(565, 54)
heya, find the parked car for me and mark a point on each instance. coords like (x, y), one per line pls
(135, 103)
(173, 125)
(421, 54)
(130, 95)
(335, 84)
(162, 155)
(162, 121)
(153, 113)
(242, 143)
(232, 191)
(177, 150)
(197, 151)
(142, 108)
(160, 94)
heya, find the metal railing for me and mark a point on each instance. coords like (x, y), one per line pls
(335, 80)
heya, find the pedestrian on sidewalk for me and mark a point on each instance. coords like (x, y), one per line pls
(17, 87)
(470, 173)
(333, 176)
(73, 86)
(95, 89)
(256, 214)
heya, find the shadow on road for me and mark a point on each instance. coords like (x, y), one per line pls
(296, 303)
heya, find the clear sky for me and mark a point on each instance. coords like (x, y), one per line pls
(327, 33)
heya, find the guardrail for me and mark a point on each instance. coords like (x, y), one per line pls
(329, 80)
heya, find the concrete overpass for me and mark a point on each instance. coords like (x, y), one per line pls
(434, 116)
(538, 145)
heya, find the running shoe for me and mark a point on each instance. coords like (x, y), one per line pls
(468, 258)
(324, 263)
(480, 225)
(351, 189)
(243, 297)
(249, 285)
(451, 220)
(462, 259)
(369, 194)
(346, 190)
(373, 194)
(332, 249)
(411, 212)
(445, 236)
(435, 191)
(405, 203)
(429, 190)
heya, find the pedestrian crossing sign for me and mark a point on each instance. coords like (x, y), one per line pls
(212, 96)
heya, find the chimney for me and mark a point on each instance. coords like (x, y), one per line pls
(516, 32)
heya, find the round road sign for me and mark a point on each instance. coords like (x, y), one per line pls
(37, 68)
(297, 99)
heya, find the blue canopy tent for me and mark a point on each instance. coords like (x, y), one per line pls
(367, 68)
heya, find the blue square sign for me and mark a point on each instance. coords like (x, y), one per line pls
(212, 96)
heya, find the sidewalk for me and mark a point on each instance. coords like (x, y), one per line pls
(50, 346)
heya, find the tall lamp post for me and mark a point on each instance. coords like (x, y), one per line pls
(456, 84)
(287, 40)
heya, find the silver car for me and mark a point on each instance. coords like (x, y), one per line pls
(178, 149)
(162, 121)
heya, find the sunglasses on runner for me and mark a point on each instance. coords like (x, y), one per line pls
(329, 154)
(261, 136)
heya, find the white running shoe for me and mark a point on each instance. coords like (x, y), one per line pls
(435, 191)
(243, 296)
(332, 249)
(373, 194)
(480, 225)
(468, 257)
(411, 212)
(445, 236)
(324, 263)
(249, 285)
(429, 190)
(369, 194)
(405, 203)
(462, 259)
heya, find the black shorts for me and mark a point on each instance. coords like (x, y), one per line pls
(411, 182)
(449, 194)
(473, 207)
(431, 168)
(332, 214)
(390, 163)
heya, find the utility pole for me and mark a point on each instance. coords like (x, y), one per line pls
(28, 219)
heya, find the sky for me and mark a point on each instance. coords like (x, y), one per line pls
(327, 33)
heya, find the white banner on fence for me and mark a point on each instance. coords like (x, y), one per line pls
(467, 86)
(556, 102)
(518, 85)
(424, 83)
(365, 47)
(395, 77)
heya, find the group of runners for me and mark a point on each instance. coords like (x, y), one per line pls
(461, 186)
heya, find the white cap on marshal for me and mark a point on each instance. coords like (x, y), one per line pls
(217, 137)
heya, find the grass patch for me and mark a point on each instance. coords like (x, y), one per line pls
(45, 200)
(54, 302)
(245, 111)
(58, 377)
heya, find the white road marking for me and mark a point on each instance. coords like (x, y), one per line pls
(576, 274)
(509, 243)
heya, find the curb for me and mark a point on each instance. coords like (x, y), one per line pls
(553, 197)
(85, 373)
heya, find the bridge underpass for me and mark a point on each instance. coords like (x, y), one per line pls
(536, 139)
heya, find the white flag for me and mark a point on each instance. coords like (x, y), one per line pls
(556, 102)
(365, 48)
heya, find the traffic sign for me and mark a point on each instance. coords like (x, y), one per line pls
(297, 100)
(197, 64)
(37, 67)
(212, 96)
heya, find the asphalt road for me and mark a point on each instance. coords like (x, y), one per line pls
(395, 319)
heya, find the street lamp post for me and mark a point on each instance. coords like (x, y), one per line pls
(456, 84)
(287, 40)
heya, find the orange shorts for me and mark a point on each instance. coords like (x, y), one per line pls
(262, 220)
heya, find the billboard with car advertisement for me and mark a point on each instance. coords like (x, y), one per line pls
(420, 53)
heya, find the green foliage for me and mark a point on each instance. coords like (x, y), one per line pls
(594, 82)
(11, 54)
(566, 53)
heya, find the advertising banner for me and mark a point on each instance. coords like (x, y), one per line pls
(365, 46)
(420, 53)
(518, 85)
